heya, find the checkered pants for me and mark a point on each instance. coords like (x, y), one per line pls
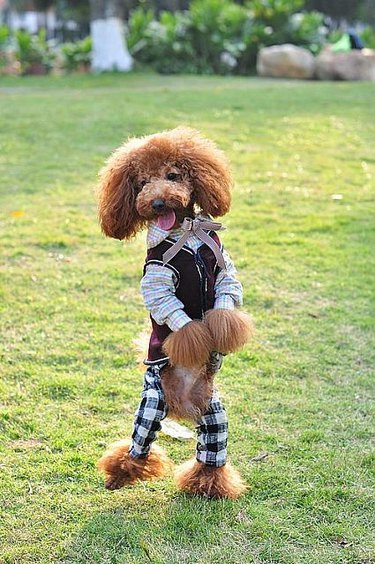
(212, 428)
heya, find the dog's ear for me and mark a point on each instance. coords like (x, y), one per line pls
(209, 172)
(117, 194)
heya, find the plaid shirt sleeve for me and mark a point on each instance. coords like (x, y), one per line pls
(228, 290)
(158, 287)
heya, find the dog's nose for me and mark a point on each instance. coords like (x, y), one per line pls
(158, 205)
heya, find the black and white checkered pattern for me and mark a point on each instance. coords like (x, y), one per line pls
(150, 412)
(213, 434)
(212, 428)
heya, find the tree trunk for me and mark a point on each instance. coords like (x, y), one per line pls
(109, 51)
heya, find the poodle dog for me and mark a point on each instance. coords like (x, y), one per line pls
(173, 183)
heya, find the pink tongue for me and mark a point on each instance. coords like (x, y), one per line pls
(167, 221)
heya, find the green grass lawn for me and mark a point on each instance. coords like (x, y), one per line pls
(301, 234)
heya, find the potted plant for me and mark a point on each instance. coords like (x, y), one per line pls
(33, 53)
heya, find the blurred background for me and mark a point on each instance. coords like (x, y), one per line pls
(172, 36)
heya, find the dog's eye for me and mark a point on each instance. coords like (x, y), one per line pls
(173, 176)
(141, 185)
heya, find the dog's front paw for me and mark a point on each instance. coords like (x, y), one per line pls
(190, 346)
(230, 329)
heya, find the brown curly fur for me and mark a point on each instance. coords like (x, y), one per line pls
(187, 392)
(189, 173)
(136, 173)
(121, 469)
(230, 329)
(197, 478)
(190, 346)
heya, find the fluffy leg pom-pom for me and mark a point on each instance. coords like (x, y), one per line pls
(190, 346)
(209, 481)
(120, 469)
(230, 329)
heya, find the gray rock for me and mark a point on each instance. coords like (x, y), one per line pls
(285, 61)
(352, 65)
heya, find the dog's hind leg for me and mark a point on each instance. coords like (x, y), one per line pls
(121, 469)
(209, 481)
(210, 474)
(128, 461)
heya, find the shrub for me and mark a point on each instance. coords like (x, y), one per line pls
(76, 56)
(33, 52)
(368, 37)
(139, 21)
(4, 39)
(217, 28)
(307, 29)
(219, 36)
(206, 39)
(4, 36)
(273, 22)
(163, 44)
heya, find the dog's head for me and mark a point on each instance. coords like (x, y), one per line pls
(162, 177)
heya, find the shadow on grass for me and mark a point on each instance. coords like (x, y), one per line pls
(151, 530)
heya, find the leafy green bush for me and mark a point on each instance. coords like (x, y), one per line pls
(138, 28)
(192, 41)
(368, 37)
(274, 13)
(76, 56)
(273, 22)
(33, 52)
(307, 30)
(219, 36)
(4, 38)
(163, 44)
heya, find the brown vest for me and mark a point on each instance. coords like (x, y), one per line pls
(196, 275)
